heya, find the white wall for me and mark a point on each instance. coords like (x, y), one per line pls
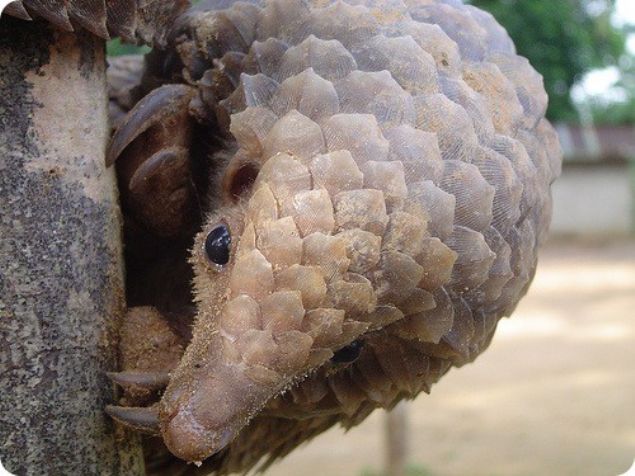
(593, 200)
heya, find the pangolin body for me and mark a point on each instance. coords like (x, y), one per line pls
(382, 171)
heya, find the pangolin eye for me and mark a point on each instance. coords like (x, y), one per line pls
(349, 353)
(218, 244)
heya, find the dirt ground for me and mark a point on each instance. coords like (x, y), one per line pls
(553, 395)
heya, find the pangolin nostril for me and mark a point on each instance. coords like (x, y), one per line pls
(348, 354)
(218, 244)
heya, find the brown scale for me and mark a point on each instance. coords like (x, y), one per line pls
(131, 20)
(357, 191)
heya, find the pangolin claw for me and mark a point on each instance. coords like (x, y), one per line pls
(143, 419)
(151, 381)
(152, 147)
(170, 161)
(157, 108)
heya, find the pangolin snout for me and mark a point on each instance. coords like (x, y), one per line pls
(186, 438)
(201, 417)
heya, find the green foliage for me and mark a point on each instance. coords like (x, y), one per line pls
(562, 39)
(623, 111)
(613, 113)
(117, 48)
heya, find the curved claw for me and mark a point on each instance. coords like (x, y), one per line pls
(143, 419)
(154, 165)
(169, 161)
(150, 381)
(161, 193)
(157, 108)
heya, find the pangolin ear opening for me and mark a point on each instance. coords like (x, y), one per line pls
(240, 176)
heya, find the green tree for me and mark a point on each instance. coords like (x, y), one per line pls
(563, 40)
(622, 111)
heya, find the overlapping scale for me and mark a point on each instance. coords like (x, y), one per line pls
(131, 20)
(328, 58)
(413, 68)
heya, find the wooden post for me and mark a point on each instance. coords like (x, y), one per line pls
(397, 440)
(61, 268)
(631, 169)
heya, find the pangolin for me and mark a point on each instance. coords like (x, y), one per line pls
(361, 187)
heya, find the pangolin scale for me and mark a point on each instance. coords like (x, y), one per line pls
(131, 20)
(379, 171)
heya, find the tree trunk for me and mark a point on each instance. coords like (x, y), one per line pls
(61, 268)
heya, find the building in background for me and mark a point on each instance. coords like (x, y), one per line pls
(595, 196)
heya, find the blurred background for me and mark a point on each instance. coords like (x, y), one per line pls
(555, 392)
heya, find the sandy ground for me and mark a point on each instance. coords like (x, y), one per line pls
(553, 395)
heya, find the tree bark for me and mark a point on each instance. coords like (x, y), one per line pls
(61, 267)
